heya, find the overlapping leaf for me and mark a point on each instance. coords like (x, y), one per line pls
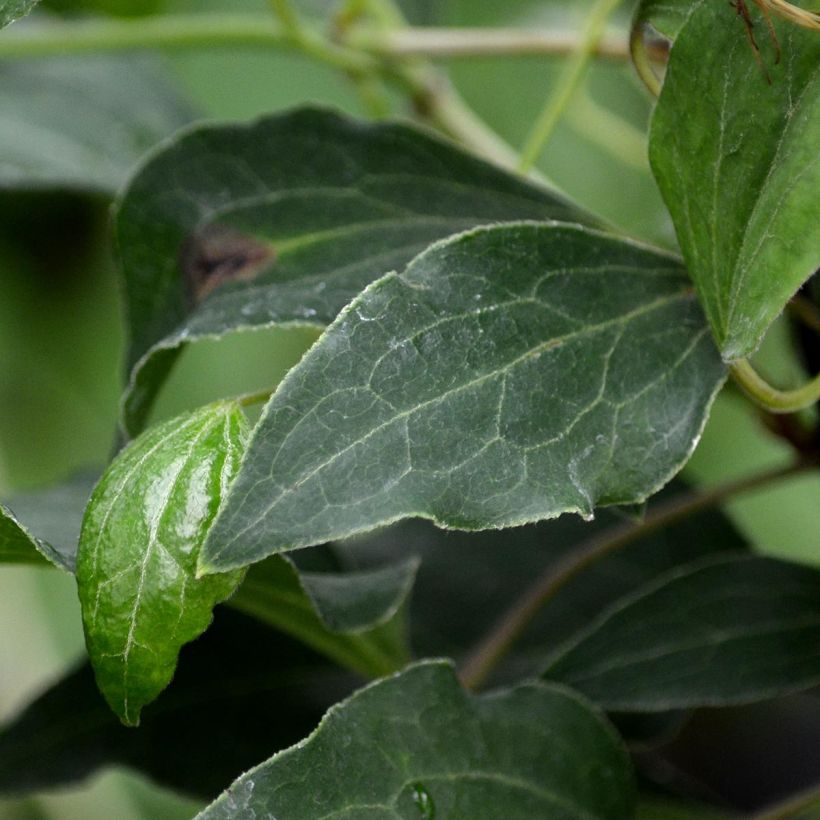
(241, 692)
(285, 221)
(82, 124)
(45, 524)
(356, 618)
(11, 10)
(736, 159)
(723, 631)
(141, 535)
(511, 374)
(416, 745)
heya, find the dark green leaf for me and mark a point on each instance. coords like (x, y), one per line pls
(241, 693)
(511, 374)
(714, 633)
(11, 10)
(52, 523)
(356, 618)
(141, 535)
(116, 8)
(284, 221)
(466, 581)
(736, 160)
(82, 123)
(417, 746)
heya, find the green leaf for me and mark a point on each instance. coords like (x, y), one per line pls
(417, 746)
(241, 691)
(737, 163)
(11, 10)
(284, 221)
(511, 374)
(467, 581)
(355, 618)
(665, 16)
(52, 523)
(142, 531)
(82, 124)
(719, 632)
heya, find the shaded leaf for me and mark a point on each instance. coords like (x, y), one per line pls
(511, 374)
(719, 632)
(82, 123)
(736, 160)
(356, 618)
(466, 581)
(52, 523)
(241, 692)
(11, 10)
(141, 535)
(284, 221)
(416, 745)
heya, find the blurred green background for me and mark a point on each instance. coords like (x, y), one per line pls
(61, 336)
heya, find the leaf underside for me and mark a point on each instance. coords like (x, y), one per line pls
(509, 375)
(82, 124)
(416, 745)
(720, 632)
(736, 160)
(141, 535)
(284, 221)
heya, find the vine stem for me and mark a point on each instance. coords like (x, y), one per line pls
(259, 397)
(509, 628)
(770, 398)
(567, 83)
(468, 42)
(642, 61)
(356, 50)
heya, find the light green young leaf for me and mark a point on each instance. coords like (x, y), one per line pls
(284, 221)
(355, 618)
(82, 124)
(50, 527)
(11, 10)
(142, 531)
(511, 374)
(418, 746)
(719, 632)
(737, 162)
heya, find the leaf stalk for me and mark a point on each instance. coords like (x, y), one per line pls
(770, 398)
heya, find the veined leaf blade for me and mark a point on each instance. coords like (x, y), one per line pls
(142, 531)
(511, 374)
(417, 745)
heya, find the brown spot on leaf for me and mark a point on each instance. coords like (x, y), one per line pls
(216, 255)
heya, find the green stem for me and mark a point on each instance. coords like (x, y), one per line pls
(259, 397)
(642, 60)
(772, 399)
(509, 628)
(567, 83)
(452, 43)
(176, 32)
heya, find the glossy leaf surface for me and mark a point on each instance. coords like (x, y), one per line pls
(11, 10)
(736, 160)
(284, 221)
(241, 692)
(715, 633)
(141, 536)
(511, 374)
(82, 124)
(355, 618)
(416, 745)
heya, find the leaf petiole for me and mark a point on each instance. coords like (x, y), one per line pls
(772, 399)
